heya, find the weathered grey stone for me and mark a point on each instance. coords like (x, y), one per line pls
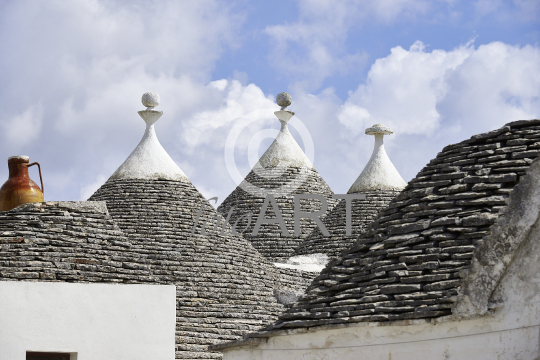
(143, 236)
(525, 154)
(446, 221)
(399, 288)
(491, 134)
(270, 241)
(489, 146)
(408, 228)
(363, 211)
(453, 189)
(482, 187)
(481, 153)
(497, 249)
(502, 178)
(517, 142)
(436, 247)
(489, 200)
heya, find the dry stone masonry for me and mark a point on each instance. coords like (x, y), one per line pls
(411, 262)
(222, 291)
(380, 182)
(270, 241)
(224, 286)
(363, 212)
(282, 171)
(67, 241)
(145, 225)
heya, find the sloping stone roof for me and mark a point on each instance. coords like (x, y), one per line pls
(282, 171)
(224, 287)
(379, 181)
(363, 212)
(411, 262)
(270, 241)
(145, 224)
(66, 241)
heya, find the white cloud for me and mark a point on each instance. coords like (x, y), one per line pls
(193, 130)
(414, 91)
(484, 7)
(432, 99)
(76, 72)
(403, 90)
(354, 117)
(23, 128)
(313, 47)
(235, 101)
(89, 189)
(316, 45)
(528, 8)
(204, 134)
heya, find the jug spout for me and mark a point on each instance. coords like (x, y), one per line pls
(19, 188)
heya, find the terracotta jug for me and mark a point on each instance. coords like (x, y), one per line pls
(19, 188)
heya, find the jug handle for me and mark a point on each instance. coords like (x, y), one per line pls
(40, 178)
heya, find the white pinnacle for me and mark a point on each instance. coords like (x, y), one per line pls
(284, 151)
(149, 160)
(379, 173)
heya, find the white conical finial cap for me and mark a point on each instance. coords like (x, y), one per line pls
(149, 160)
(379, 173)
(284, 151)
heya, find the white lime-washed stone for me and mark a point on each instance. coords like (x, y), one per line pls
(149, 160)
(150, 99)
(284, 151)
(379, 173)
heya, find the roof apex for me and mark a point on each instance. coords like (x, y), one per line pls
(149, 160)
(379, 173)
(284, 151)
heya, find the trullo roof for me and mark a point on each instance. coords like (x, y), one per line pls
(379, 182)
(224, 285)
(443, 244)
(282, 171)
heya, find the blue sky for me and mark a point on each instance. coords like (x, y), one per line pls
(438, 24)
(437, 72)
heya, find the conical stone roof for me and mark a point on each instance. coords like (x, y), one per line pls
(442, 244)
(283, 171)
(224, 286)
(379, 182)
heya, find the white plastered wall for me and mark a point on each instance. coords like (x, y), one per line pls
(480, 339)
(93, 321)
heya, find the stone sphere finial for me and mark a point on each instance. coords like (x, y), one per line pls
(150, 99)
(283, 99)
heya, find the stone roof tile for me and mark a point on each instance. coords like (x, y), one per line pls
(224, 287)
(282, 171)
(433, 249)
